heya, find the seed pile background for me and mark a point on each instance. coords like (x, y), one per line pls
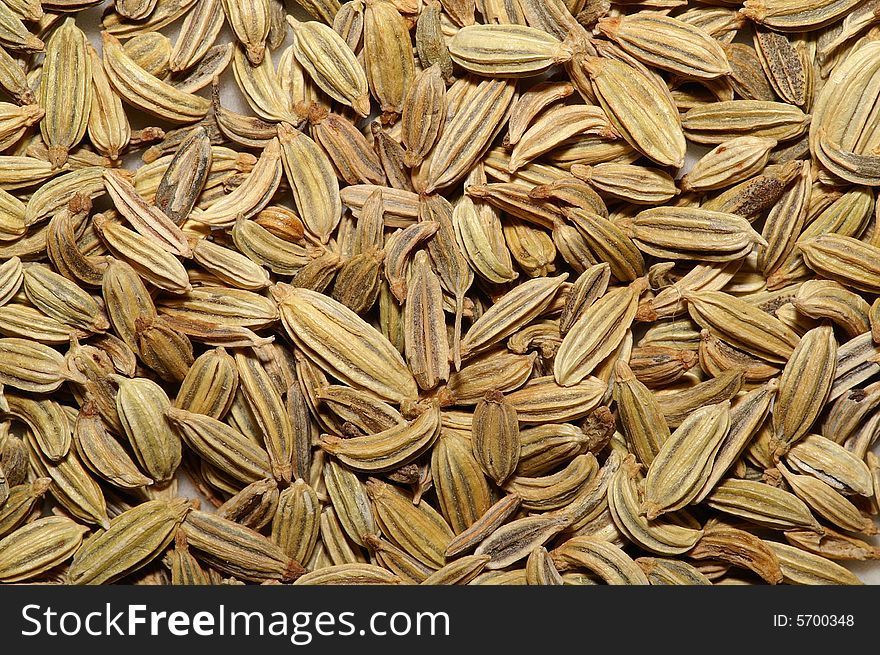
(439, 302)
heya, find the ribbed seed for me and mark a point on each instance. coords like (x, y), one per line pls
(130, 542)
(826, 460)
(553, 127)
(65, 253)
(483, 526)
(417, 529)
(530, 247)
(586, 290)
(556, 490)
(851, 262)
(691, 233)
(198, 32)
(462, 490)
(72, 486)
(103, 454)
(165, 350)
(784, 223)
(376, 364)
(388, 56)
(147, 92)
(221, 445)
(468, 132)
(640, 415)
(349, 498)
(663, 571)
(681, 468)
(804, 387)
(501, 370)
(348, 574)
(540, 569)
(515, 540)
(266, 249)
(718, 122)
(645, 118)
(148, 220)
(531, 103)
(387, 449)
(828, 503)
(253, 506)
(313, 181)
(252, 195)
(604, 559)
(185, 568)
(296, 523)
(126, 299)
(732, 161)
(596, 334)
(661, 536)
(426, 348)
(423, 114)
(827, 299)
(149, 259)
(800, 567)
(237, 550)
(30, 366)
(783, 66)
(638, 184)
(11, 278)
(506, 50)
(609, 243)
(65, 91)
(542, 400)
(512, 311)
(270, 413)
(26, 322)
(250, 22)
(149, 51)
(12, 78)
(762, 504)
(209, 385)
(459, 572)
(430, 40)
(397, 560)
(741, 549)
(399, 248)
(832, 545)
(63, 300)
(544, 447)
(742, 325)
(785, 15)
(185, 176)
(676, 407)
(496, 436)
(142, 404)
(747, 415)
(47, 421)
(21, 501)
(667, 43)
(361, 409)
(39, 546)
(331, 64)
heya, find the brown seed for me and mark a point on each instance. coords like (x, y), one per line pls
(496, 436)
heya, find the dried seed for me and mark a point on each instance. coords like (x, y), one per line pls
(496, 436)
(679, 471)
(237, 550)
(326, 329)
(131, 541)
(36, 548)
(506, 50)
